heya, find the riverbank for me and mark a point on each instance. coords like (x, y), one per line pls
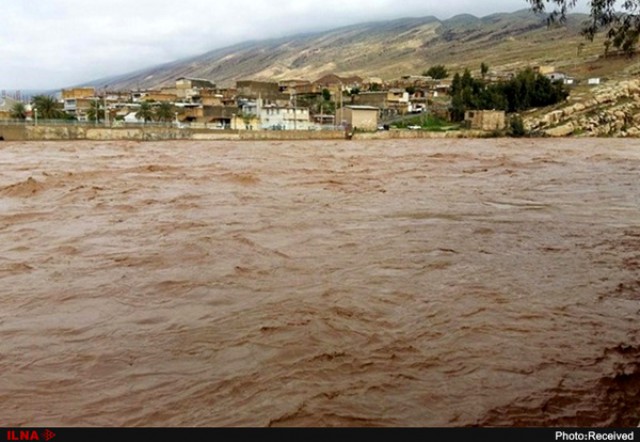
(160, 133)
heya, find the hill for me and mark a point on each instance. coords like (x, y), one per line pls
(386, 49)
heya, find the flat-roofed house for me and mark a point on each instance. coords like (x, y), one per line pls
(360, 117)
(485, 119)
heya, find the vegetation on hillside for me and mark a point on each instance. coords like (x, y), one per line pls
(437, 72)
(526, 90)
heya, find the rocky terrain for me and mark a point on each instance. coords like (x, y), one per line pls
(612, 109)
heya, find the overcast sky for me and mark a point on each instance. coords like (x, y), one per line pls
(60, 43)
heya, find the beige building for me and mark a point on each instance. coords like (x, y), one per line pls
(359, 117)
(160, 96)
(188, 88)
(485, 119)
(544, 69)
(6, 107)
(78, 92)
(255, 89)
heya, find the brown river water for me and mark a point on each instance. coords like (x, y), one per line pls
(477, 282)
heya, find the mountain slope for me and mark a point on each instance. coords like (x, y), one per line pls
(381, 49)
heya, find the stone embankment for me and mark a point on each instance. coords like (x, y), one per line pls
(613, 110)
(159, 133)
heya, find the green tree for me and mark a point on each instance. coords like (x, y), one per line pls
(19, 111)
(165, 112)
(516, 126)
(410, 90)
(145, 112)
(484, 69)
(48, 107)
(326, 94)
(620, 19)
(95, 113)
(437, 72)
(247, 119)
(528, 89)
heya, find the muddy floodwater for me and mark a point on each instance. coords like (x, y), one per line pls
(483, 282)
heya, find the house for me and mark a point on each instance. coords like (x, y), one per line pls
(298, 87)
(160, 96)
(131, 118)
(188, 88)
(78, 107)
(336, 83)
(220, 117)
(376, 99)
(255, 89)
(556, 76)
(485, 119)
(559, 76)
(284, 118)
(593, 81)
(194, 83)
(359, 117)
(78, 92)
(209, 98)
(77, 101)
(544, 69)
(6, 107)
(395, 100)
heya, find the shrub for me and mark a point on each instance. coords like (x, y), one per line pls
(516, 126)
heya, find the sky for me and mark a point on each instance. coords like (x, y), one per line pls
(50, 44)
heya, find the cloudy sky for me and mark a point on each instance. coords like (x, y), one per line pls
(59, 43)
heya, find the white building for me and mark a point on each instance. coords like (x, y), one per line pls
(284, 118)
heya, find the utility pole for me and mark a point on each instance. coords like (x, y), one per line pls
(340, 101)
(295, 103)
(106, 114)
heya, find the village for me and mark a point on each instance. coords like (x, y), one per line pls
(328, 103)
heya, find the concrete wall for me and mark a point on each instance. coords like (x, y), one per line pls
(13, 133)
(53, 133)
(152, 133)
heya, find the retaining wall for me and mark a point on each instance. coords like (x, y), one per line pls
(74, 132)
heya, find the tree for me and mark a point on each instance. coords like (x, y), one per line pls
(528, 89)
(247, 119)
(95, 112)
(19, 111)
(145, 112)
(47, 107)
(516, 126)
(165, 112)
(484, 69)
(437, 72)
(620, 19)
(326, 94)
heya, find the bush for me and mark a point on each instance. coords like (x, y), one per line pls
(516, 126)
